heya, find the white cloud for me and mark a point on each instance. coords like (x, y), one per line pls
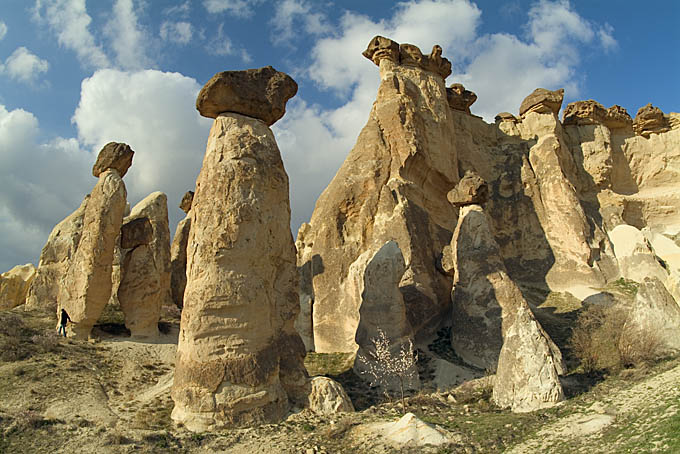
(178, 32)
(68, 19)
(128, 40)
(291, 16)
(181, 9)
(3, 29)
(239, 8)
(24, 66)
(42, 184)
(222, 45)
(154, 113)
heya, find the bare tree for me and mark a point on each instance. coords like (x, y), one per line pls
(384, 367)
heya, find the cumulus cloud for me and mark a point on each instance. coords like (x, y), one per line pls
(42, 184)
(238, 8)
(154, 113)
(291, 16)
(3, 29)
(69, 21)
(128, 40)
(24, 66)
(177, 32)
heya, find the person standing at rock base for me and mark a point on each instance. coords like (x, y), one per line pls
(63, 320)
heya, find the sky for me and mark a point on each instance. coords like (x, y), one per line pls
(77, 74)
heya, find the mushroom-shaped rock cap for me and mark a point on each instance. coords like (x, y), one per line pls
(650, 119)
(380, 47)
(459, 98)
(187, 200)
(470, 190)
(592, 112)
(543, 101)
(135, 233)
(114, 155)
(259, 93)
(407, 54)
(505, 116)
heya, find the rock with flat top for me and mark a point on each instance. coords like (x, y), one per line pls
(592, 112)
(258, 93)
(542, 101)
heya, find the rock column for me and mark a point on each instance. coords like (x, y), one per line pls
(178, 252)
(239, 361)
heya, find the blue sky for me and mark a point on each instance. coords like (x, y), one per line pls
(76, 74)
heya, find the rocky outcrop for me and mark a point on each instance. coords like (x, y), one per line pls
(113, 156)
(14, 285)
(303, 323)
(650, 120)
(380, 48)
(392, 186)
(258, 93)
(55, 258)
(459, 98)
(542, 101)
(86, 287)
(655, 315)
(155, 208)
(178, 252)
(327, 397)
(635, 258)
(471, 189)
(139, 292)
(239, 360)
(593, 113)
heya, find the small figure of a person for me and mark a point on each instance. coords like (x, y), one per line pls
(63, 320)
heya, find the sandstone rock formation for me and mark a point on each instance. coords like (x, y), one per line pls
(656, 315)
(178, 252)
(14, 285)
(392, 186)
(259, 93)
(239, 359)
(459, 98)
(139, 292)
(592, 113)
(86, 287)
(55, 258)
(113, 156)
(650, 119)
(542, 101)
(155, 208)
(327, 397)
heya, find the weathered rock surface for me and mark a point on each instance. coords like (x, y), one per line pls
(239, 359)
(392, 186)
(155, 208)
(636, 260)
(86, 287)
(655, 314)
(380, 48)
(327, 397)
(470, 190)
(459, 98)
(55, 258)
(114, 155)
(178, 261)
(136, 232)
(542, 101)
(14, 285)
(259, 93)
(139, 292)
(187, 200)
(303, 322)
(592, 112)
(650, 119)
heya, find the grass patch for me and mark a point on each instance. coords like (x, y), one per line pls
(561, 302)
(328, 363)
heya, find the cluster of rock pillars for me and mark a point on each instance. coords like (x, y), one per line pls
(436, 218)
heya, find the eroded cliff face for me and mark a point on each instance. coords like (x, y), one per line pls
(392, 186)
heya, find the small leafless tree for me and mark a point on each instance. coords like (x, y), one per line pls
(384, 368)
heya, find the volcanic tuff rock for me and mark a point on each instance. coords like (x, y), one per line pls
(239, 359)
(14, 285)
(380, 48)
(459, 98)
(87, 284)
(327, 397)
(656, 314)
(650, 119)
(55, 259)
(113, 156)
(470, 190)
(139, 292)
(542, 101)
(392, 186)
(259, 93)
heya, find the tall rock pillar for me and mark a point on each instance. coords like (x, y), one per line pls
(239, 360)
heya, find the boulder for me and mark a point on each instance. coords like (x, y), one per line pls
(114, 155)
(650, 119)
(86, 287)
(239, 360)
(136, 232)
(542, 101)
(459, 98)
(655, 315)
(178, 261)
(139, 292)
(14, 285)
(470, 190)
(258, 93)
(327, 397)
(155, 208)
(55, 259)
(187, 200)
(392, 186)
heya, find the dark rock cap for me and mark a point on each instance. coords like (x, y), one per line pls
(114, 155)
(470, 190)
(592, 112)
(650, 119)
(187, 200)
(135, 233)
(459, 98)
(543, 101)
(407, 54)
(505, 116)
(259, 93)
